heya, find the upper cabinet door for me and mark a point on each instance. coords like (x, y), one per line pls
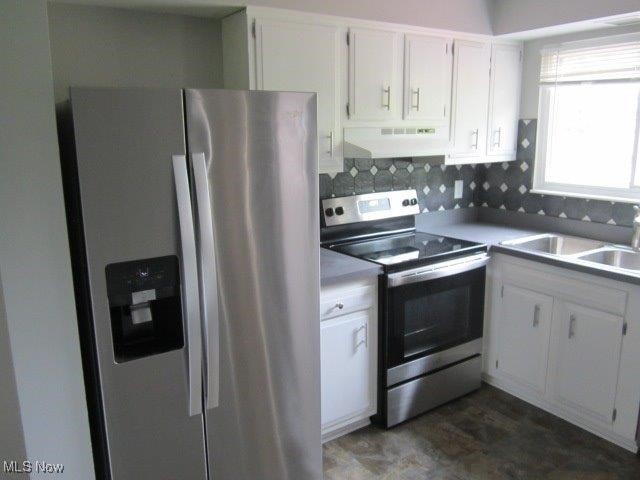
(304, 57)
(374, 75)
(471, 62)
(427, 78)
(504, 101)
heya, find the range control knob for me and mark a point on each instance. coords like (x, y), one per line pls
(329, 212)
(405, 203)
(414, 201)
(339, 210)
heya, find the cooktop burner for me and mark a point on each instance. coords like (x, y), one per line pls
(412, 247)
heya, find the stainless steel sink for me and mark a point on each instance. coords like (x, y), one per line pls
(554, 244)
(618, 257)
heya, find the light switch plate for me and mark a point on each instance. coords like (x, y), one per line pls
(457, 190)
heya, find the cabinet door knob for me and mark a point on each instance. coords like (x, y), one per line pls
(417, 94)
(387, 91)
(365, 341)
(499, 141)
(536, 315)
(340, 306)
(330, 137)
(572, 326)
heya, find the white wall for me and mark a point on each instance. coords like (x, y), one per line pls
(96, 46)
(511, 16)
(34, 253)
(531, 64)
(463, 15)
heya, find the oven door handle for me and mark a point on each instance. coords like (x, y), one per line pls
(438, 270)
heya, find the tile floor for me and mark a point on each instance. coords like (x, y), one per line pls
(486, 435)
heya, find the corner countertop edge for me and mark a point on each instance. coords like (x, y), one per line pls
(337, 267)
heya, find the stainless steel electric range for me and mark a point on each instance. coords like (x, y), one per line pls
(431, 300)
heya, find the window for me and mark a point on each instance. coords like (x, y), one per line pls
(589, 119)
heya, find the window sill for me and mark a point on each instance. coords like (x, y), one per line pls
(586, 196)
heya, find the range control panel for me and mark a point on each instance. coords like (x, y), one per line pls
(369, 206)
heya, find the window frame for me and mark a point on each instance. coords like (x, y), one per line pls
(545, 125)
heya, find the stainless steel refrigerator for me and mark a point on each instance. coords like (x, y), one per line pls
(193, 219)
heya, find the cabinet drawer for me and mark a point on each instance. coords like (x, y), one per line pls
(340, 303)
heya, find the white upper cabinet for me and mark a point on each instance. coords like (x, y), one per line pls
(471, 64)
(504, 102)
(523, 330)
(375, 92)
(427, 78)
(586, 356)
(415, 91)
(304, 57)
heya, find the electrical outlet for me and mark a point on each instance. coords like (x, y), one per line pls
(457, 190)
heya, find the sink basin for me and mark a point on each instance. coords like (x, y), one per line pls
(554, 244)
(615, 257)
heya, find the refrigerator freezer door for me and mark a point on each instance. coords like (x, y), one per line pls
(208, 280)
(190, 288)
(260, 150)
(125, 140)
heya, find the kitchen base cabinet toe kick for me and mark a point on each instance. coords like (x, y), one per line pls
(567, 342)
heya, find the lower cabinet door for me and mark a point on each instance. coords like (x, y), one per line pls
(345, 359)
(524, 330)
(586, 359)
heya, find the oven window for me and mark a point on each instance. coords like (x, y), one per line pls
(431, 316)
(438, 319)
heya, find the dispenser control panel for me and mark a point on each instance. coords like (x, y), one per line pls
(145, 307)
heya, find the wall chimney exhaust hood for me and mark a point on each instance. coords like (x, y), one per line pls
(390, 142)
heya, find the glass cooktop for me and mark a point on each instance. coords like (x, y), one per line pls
(414, 247)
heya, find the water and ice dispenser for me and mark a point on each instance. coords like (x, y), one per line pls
(145, 307)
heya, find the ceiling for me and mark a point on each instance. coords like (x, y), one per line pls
(516, 19)
(198, 8)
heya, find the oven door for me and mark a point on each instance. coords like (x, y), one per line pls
(433, 309)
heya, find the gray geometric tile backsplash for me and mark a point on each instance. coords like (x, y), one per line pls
(433, 181)
(507, 186)
(504, 185)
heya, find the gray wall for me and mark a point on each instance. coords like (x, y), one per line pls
(11, 436)
(464, 15)
(531, 63)
(97, 46)
(520, 15)
(34, 253)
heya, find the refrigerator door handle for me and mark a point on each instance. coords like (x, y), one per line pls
(190, 306)
(208, 280)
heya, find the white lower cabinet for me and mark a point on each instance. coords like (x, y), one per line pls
(566, 341)
(585, 359)
(348, 336)
(524, 327)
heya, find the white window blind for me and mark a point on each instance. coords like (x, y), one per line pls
(586, 61)
(589, 119)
